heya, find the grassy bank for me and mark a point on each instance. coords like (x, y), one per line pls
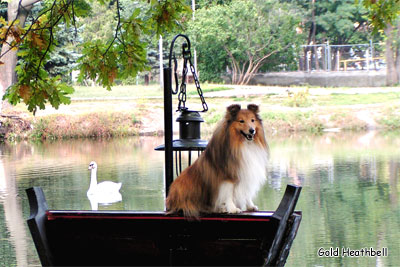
(102, 124)
(127, 111)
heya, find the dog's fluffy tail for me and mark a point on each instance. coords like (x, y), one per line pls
(176, 203)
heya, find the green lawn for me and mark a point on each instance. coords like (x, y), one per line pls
(135, 91)
(334, 99)
(117, 92)
(306, 100)
(346, 99)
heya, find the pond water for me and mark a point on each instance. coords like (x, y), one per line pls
(350, 196)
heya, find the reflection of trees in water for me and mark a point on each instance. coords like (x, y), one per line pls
(356, 210)
(349, 196)
(369, 168)
(13, 218)
(394, 172)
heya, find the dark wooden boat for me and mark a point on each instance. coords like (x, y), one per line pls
(70, 238)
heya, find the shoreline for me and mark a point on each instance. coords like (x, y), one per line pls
(107, 124)
(283, 110)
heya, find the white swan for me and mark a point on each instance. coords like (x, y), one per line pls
(106, 192)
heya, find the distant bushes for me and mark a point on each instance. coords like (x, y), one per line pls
(85, 125)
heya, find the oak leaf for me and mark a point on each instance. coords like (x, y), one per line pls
(24, 91)
(38, 41)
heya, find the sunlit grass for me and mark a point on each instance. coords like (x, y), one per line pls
(356, 99)
(136, 91)
(155, 91)
(117, 91)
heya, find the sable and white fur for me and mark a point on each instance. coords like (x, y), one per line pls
(228, 174)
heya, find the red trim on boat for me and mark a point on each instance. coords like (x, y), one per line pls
(51, 216)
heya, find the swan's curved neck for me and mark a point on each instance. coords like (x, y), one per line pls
(93, 179)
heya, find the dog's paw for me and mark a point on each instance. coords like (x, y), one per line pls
(229, 209)
(252, 208)
(233, 209)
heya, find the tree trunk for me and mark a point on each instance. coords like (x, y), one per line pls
(397, 51)
(391, 77)
(20, 11)
(7, 71)
(392, 54)
(312, 38)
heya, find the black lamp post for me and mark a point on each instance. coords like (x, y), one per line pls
(189, 120)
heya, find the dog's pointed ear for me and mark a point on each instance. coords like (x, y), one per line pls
(233, 109)
(253, 108)
(231, 112)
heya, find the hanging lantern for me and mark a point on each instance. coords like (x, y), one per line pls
(189, 120)
(189, 138)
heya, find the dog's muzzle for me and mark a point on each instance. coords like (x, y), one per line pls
(249, 136)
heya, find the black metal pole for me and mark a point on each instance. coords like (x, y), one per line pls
(168, 130)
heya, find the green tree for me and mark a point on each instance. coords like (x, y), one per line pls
(244, 34)
(64, 56)
(339, 22)
(103, 60)
(63, 59)
(381, 12)
(384, 18)
(336, 22)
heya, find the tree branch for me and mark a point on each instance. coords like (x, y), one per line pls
(26, 3)
(234, 64)
(14, 20)
(50, 28)
(249, 70)
(117, 29)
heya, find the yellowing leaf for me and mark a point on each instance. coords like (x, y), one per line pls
(24, 91)
(43, 18)
(3, 31)
(23, 53)
(13, 22)
(17, 32)
(112, 75)
(37, 41)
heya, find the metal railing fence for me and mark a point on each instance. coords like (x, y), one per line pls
(326, 57)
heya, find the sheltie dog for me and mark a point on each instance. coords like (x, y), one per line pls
(228, 174)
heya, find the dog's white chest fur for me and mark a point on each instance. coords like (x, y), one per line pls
(252, 174)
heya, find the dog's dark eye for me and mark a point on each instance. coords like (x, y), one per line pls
(252, 120)
(241, 121)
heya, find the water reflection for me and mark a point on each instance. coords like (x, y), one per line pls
(349, 199)
(13, 218)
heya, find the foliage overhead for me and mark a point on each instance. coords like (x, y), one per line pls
(381, 12)
(103, 60)
(384, 16)
(244, 34)
(339, 22)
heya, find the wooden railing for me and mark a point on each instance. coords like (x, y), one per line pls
(345, 61)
